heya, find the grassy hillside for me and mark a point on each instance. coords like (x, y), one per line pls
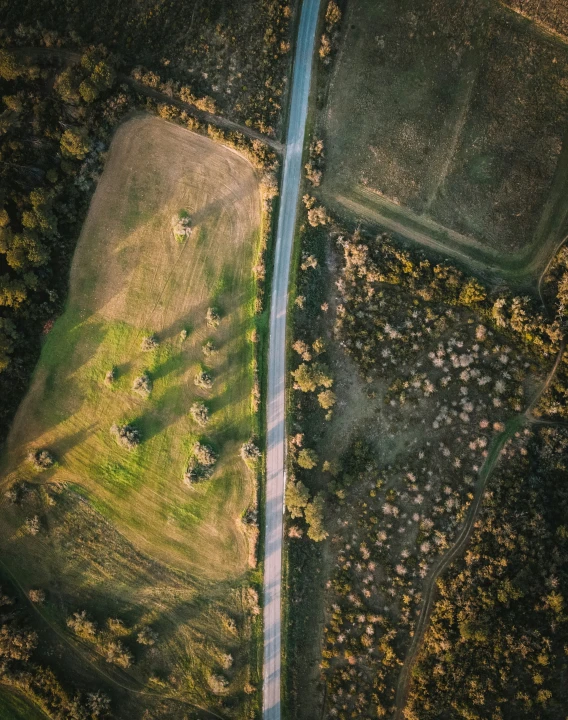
(121, 536)
(13, 707)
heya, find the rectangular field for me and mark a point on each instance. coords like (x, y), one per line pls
(457, 112)
(121, 536)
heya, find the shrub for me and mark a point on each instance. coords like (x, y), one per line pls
(208, 348)
(183, 335)
(80, 624)
(147, 636)
(212, 317)
(142, 385)
(250, 452)
(150, 342)
(200, 413)
(310, 377)
(116, 653)
(314, 517)
(200, 465)
(204, 380)
(126, 436)
(110, 377)
(181, 226)
(32, 525)
(327, 399)
(307, 458)
(36, 596)
(41, 459)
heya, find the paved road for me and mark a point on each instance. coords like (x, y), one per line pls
(276, 405)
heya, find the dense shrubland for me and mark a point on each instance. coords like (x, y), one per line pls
(448, 366)
(497, 642)
(233, 57)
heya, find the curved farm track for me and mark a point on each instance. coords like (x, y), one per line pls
(429, 592)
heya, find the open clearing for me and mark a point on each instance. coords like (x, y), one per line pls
(461, 122)
(13, 707)
(120, 535)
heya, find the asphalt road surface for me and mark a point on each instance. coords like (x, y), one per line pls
(276, 403)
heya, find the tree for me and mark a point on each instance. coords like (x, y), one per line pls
(333, 13)
(200, 413)
(309, 377)
(307, 458)
(314, 517)
(10, 68)
(472, 292)
(75, 143)
(327, 399)
(297, 497)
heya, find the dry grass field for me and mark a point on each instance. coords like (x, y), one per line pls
(460, 119)
(120, 534)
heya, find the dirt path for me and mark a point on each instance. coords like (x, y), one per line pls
(429, 591)
(201, 115)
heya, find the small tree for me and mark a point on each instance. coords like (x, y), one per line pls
(307, 458)
(297, 497)
(204, 380)
(212, 317)
(314, 514)
(126, 436)
(41, 459)
(309, 377)
(150, 342)
(250, 452)
(200, 413)
(37, 596)
(74, 143)
(142, 385)
(327, 399)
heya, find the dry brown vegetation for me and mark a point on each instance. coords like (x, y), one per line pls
(459, 116)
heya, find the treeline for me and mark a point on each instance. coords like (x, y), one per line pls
(497, 644)
(55, 126)
(236, 53)
(20, 669)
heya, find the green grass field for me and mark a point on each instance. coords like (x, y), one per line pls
(461, 113)
(14, 707)
(121, 535)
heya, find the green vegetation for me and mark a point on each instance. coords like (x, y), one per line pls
(433, 372)
(496, 645)
(13, 707)
(128, 550)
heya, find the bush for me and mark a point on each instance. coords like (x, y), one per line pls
(200, 465)
(149, 343)
(181, 225)
(142, 385)
(200, 413)
(32, 525)
(116, 653)
(314, 517)
(36, 596)
(126, 436)
(250, 452)
(41, 459)
(208, 348)
(147, 636)
(204, 380)
(212, 317)
(81, 625)
(110, 377)
(307, 459)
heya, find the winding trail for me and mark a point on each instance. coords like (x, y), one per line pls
(429, 591)
(276, 400)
